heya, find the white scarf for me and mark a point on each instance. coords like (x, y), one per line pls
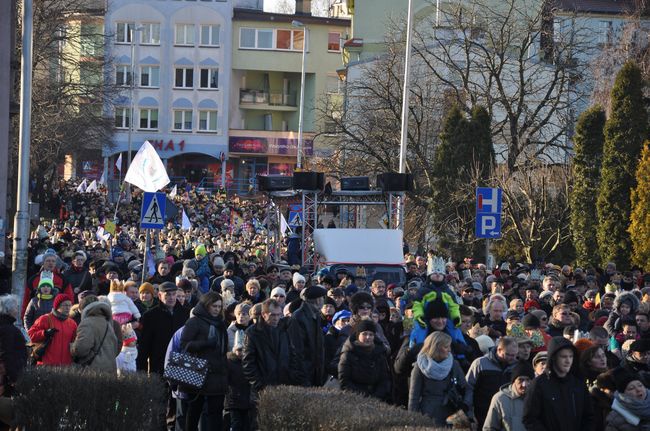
(435, 370)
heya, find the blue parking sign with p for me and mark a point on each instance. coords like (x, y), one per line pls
(488, 212)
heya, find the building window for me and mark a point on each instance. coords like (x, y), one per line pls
(289, 40)
(183, 120)
(264, 39)
(150, 76)
(210, 35)
(247, 38)
(124, 30)
(184, 34)
(334, 41)
(149, 119)
(209, 78)
(256, 38)
(606, 32)
(208, 121)
(184, 77)
(91, 40)
(150, 33)
(123, 75)
(90, 73)
(333, 84)
(122, 118)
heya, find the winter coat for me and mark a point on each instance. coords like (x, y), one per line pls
(269, 357)
(96, 321)
(558, 403)
(621, 419)
(58, 351)
(365, 370)
(120, 303)
(307, 337)
(37, 308)
(205, 336)
(157, 328)
(485, 376)
(334, 340)
(13, 349)
(239, 390)
(506, 411)
(78, 278)
(430, 396)
(32, 287)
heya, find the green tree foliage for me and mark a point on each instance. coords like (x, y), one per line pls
(588, 145)
(463, 161)
(639, 229)
(625, 132)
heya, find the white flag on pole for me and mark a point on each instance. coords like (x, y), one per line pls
(147, 170)
(284, 226)
(92, 187)
(81, 188)
(172, 194)
(102, 179)
(186, 225)
(118, 163)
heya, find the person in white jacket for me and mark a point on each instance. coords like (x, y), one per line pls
(123, 308)
(125, 361)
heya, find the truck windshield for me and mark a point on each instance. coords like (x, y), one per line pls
(388, 273)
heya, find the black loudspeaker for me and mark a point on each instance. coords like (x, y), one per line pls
(394, 182)
(274, 183)
(308, 180)
(355, 183)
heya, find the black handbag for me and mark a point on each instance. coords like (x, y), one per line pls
(185, 369)
(455, 396)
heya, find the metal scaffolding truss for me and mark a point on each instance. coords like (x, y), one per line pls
(312, 202)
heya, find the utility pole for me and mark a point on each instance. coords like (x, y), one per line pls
(21, 221)
(405, 111)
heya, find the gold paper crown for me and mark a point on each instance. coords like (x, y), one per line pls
(361, 271)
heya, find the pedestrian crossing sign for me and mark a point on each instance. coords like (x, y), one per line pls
(152, 215)
(295, 219)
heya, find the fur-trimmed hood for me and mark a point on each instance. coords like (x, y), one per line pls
(628, 297)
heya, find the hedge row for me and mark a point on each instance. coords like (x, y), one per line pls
(288, 408)
(71, 398)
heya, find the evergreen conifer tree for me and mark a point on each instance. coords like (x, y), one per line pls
(625, 131)
(588, 147)
(640, 218)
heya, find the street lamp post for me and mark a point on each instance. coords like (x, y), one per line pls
(21, 220)
(302, 90)
(405, 110)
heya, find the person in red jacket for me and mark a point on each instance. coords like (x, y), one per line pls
(49, 268)
(60, 328)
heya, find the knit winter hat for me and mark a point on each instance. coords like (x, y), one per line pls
(200, 251)
(435, 308)
(146, 287)
(622, 378)
(531, 304)
(297, 277)
(364, 325)
(531, 321)
(522, 369)
(278, 291)
(46, 282)
(61, 297)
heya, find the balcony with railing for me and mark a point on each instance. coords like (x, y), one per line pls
(267, 100)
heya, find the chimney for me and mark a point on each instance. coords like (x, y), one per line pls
(303, 7)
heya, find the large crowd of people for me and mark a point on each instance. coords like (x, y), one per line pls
(513, 347)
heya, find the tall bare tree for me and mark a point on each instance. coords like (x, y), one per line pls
(71, 99)
(502, 55)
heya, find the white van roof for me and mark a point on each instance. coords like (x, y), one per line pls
(359, 246)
